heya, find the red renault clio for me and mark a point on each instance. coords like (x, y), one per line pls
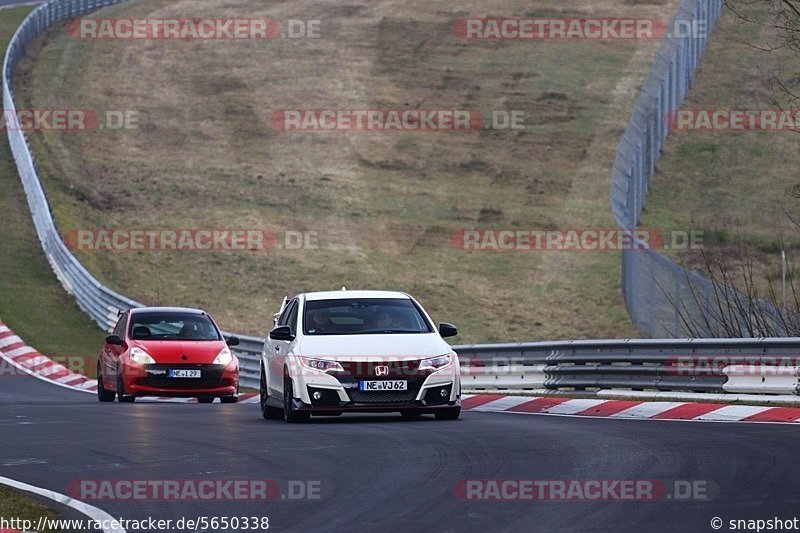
(167, 351)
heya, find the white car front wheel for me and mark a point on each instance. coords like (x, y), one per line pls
(267, 411)
(289, 412)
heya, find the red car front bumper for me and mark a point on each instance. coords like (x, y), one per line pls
(156, 380)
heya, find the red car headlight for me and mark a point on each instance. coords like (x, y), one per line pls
(224, 357)
(141, 357)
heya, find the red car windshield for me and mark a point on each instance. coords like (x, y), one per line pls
(173, 327)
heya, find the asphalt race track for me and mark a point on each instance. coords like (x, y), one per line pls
(382, 472)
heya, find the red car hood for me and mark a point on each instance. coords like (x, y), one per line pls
(187, 352)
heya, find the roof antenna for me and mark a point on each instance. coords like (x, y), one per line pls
(344, 288)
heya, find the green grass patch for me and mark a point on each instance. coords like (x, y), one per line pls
(32, 301)
(384, 204)
(734, 186)
(16, 505)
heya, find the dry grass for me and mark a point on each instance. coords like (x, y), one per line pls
(19, 506)
(32, 301)
(384, 204)
(735, 187)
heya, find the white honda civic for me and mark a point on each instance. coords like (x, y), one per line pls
(358, 351)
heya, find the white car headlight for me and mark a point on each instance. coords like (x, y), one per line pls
(321, 364)
(141, 357)
(224, 357)
(436, 363)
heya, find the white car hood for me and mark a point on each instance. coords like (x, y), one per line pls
(371, 347)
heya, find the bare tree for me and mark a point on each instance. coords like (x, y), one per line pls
(782, 16)
(731, 301)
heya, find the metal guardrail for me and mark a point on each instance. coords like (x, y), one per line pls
(98, 301)
(635, 364)
(757, 366)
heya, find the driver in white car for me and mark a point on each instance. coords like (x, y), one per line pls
(320, 321)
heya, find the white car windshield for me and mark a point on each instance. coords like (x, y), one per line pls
(363, 316)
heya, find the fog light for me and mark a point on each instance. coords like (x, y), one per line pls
(443, 392)
(317, 395)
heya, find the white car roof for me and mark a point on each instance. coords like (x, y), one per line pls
(341, 295)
